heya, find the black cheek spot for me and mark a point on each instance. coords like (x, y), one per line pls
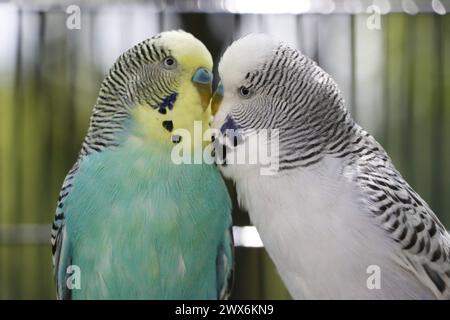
(168, 125)
(176, 138)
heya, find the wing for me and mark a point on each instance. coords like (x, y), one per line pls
(61, 252)
(423, 242)
(225, 265)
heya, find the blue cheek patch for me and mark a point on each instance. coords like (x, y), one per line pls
(168, 102)
(232, 131)
(229, 124)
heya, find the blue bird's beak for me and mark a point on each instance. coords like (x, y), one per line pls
(202, 80)
(217, 98)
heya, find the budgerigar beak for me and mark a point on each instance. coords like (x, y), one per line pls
(217, 99)
(202, 80)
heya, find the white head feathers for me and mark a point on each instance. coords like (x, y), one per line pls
(244, 55)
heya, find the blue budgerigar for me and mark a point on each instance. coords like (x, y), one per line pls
(132, 223)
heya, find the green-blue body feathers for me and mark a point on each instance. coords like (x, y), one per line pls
(140, 226)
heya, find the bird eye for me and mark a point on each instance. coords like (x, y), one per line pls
(244, 92)
(169, 63)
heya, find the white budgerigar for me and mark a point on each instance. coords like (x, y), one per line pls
(336, 213)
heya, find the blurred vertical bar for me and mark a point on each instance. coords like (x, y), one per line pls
(423, 105)
(31, 155)
(445, 169)
(352, 94)
(15, 253)
(8, 97)
(384, 134)
(438, 117)
(41, 252)
(309, 36)
(366, 74)
(395, 33)
(407, 78)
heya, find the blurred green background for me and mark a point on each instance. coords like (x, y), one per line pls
(396, 80)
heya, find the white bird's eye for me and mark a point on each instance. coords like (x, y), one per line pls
(170, 63)
(244, 92)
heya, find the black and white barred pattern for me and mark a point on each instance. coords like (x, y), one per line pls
(291, 93)
(318, 119)
(130, 81)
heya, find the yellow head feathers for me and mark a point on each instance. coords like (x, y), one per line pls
(190, 52)
(188, 65)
